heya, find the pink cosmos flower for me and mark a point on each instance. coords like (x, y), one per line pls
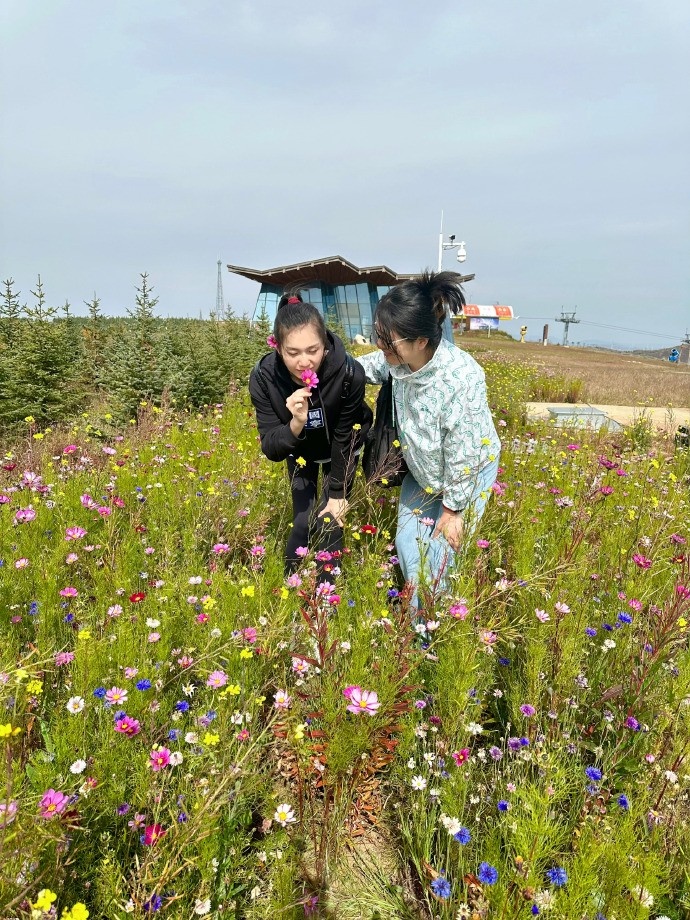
(459, 610)
(258, 550)
(21, 563)
(242, 735)
(362, 701)
(154, 637)
(562, 607)
(69, 591)
(115, 695)
(74, 533)
(542, 616)
(302, 551)
(249, 634)
(483, 544)
(52, 803)
(220, 548)
(282, 700)
(159, 758)
(70, 449)
(641, 561)
(25, 515)
(104, 511)
(461, 756)
(8, 811)
(293, 581)
(300, 666)
(4, 499)
(217, 679)
(128, 726)
(271, 341)
(677, 539)
(88, 502)
(152, 834)
(309, 379)
(606, 490)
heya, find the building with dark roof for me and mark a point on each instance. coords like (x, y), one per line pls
(341, 291)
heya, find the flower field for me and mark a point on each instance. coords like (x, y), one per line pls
(184, 732)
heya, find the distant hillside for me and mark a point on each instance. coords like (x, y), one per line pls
(655, 352)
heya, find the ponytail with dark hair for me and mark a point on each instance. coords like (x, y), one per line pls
(292, 313)
(417, 308)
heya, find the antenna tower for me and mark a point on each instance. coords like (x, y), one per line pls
(220, 306)
(567, 319)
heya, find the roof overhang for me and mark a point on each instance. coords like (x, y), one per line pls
(331, 270)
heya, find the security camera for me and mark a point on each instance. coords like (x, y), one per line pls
(452, 237)
(462, 253)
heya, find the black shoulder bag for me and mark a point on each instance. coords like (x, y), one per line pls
(383, 463)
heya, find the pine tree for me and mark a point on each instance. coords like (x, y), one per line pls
(10, 313)
(94, 338)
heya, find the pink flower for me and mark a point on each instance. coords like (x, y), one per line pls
(220, 548)
(249, 634)
(258, 550)
(483, 544)
(362, 701)
(293, 581)
(24, 515)
(282, 700)
(69, 591)
(460, 757)
(21, 563)
(152, 833)
(271, 341)
(115, 695)
(527, 710)
(641, 561)
(677, 539)
(159, 758)
(302, 551)
(542, 616)
(52, 803)
(459, 610)
(309, 379)
(128, 726)
(217, 679)
(349, 690)
(62, 658)
(154, 637)
(300, 666)
(606, 490)
(70, 449)
(104, 511)
(561, 607)
(74, 533)
(8, 811)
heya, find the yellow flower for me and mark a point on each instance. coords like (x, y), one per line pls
(208, 604)
(396, 443)
(284, 592)
(44, 900)
(429, 490)
(682, 622)
(231, 690)
(35, 686)
(357, 428)
(300, 461)
(246, 653)
(7, 730)
(298, 734)
(78, 912)
(248, 591)
(211, 739)
(20, 674)
(38, 436)
(488, 441)
(84, 634)
(29, 420)
(260, 700)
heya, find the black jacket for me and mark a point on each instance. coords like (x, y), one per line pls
(333, 436)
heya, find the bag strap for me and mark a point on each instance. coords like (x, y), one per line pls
(349, 376)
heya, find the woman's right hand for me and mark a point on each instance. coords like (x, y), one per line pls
(298, 405)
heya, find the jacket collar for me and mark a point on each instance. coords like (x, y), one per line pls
(425, 373)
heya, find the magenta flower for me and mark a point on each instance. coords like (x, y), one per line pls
(152, 834)
(127, 726)
(641, 561)
(69, 591)
(309, 379)
(483, 544)
(527, 710)
(74, 533)
(8, 811)
(271, 341)
(459, 611)
(362, 701)
(220, 548)
(52, 803)
(159, 758)
(62, 658)
(24, 515)
(302, 551)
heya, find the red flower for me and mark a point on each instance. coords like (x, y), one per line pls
(152, 834)
(137, 597)
(368, 528)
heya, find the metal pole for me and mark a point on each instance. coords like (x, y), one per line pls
(440, 246)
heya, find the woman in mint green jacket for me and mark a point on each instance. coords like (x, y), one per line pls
(444, 424)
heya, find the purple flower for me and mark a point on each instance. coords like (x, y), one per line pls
(487, 874)
(623, 802)
(594, 774)
(503, 805)
(527, 710)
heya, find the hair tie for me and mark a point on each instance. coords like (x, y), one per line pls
(294, 300)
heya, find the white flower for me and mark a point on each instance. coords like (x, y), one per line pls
(432, 625)
(418, 783)
(128, 907)
(474, 728)
(202, 907)
(191, 737)
(420, 628)
(77, 767)
(216, 633)
(153, 624)
(189, 690)
(284, 815)
(452, 825)
(345, 646)
(642, 896)
(195, 580)
(544, 899)
(671, 777)
(411, 763)
(75, 704)
(430, 757)
(176, 758)
(607, 644)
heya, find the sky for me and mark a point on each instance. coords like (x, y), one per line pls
(160, 136)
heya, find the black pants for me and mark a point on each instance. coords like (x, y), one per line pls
(308, 529)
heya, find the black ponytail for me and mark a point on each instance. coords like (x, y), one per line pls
(292, 313)
(417, 308)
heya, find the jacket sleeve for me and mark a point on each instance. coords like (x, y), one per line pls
(277, 439)
(375, 366)
(346, 438)
(466, 444)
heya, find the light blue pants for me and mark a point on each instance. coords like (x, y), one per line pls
(423, 558)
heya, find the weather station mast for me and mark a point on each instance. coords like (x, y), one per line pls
(220, 301)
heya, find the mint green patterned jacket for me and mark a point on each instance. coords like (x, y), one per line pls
(444, 421)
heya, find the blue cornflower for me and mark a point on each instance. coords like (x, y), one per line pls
(182, 817)
(503, 805)
(69, 617)
(33, 608)
(441, 887)
(154, 903)
(350, 603)
(557, 876)
(99, 692)
(590, 631)
(486, 874)
(524, 742)
(174, 734)
(462, 836)
(623, 802)
(594, 774)
(143, 684)
(607, 627)
(535, 910)
(181, 706)
(211, 715)
(120, 714)
(504, 661)
(625, 618)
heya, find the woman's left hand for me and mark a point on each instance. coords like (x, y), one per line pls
(451, 525)
(336, 508)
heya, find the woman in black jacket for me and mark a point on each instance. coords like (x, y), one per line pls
(311, 427)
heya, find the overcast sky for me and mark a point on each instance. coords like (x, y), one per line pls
(163, 136)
